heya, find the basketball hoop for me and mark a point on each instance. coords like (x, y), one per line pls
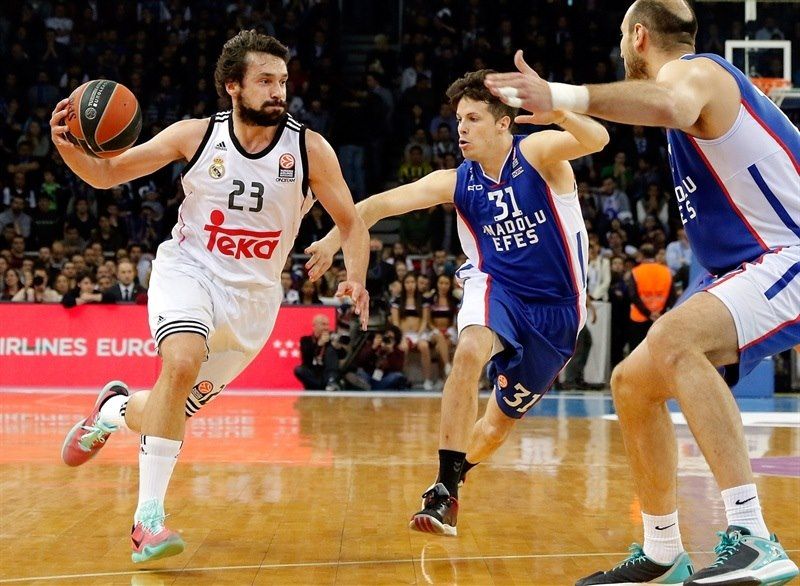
(769, 84)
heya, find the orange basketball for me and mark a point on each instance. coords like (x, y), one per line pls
(103, 118)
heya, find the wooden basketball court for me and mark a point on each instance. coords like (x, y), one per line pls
(318, 489)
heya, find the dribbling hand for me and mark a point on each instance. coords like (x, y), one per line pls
(360, 297)
(58, 124)
(522, 89)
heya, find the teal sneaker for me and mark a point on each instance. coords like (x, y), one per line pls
(150, 540)
(640, 569)
(748, 560)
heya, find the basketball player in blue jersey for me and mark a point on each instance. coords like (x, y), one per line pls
(520, 224)
(734, 158)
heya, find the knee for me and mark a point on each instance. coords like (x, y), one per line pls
(182, 369)
(495, 433)
(623, 389)
(469, 353)
(424, 346)
(666, 343)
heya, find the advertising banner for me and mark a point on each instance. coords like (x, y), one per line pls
(86, 346)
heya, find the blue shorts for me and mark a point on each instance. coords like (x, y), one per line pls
(763, 297)
(537, 339)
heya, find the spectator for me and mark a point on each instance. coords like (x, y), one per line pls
(652, 293)
(573, 372)
(379, 364)
(620, 171)
(443, 308)
(84, 292)
(309, 294)
(61, 286)
(16, 216)
(614, 203)
(82, 219)
(320, 358)
(620, 309)
(126, 290)
(654, 204)
(290, 294)
(679, 258)
(38, 292)
(444, 229)
(598, 274)
(46, 224)
(17, 252)
(21, 189)
(12, 284)
(107, 236)
(412, 315)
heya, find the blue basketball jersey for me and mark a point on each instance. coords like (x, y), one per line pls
(524, 237)
(739, 195)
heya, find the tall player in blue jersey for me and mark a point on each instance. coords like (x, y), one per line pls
(734, 158)
(520, 224)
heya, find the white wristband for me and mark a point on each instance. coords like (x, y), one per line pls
(573, 98)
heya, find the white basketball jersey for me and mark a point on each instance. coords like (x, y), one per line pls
(242, 211)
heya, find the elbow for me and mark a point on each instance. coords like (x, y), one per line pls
(601, 140)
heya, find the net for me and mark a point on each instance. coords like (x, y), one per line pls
(769, 84)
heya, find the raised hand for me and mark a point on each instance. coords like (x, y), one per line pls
(521, 89)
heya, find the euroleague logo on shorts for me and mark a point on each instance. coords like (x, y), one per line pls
(239, 242)
(286, 166)
(502, 381)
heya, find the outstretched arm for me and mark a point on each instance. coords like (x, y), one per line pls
(433, 189)
(674, 100)
(326, 181)
(178, 141)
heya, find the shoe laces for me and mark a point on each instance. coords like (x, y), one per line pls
(96, 433)
(153, 522)
(727, 546)
(637, 556)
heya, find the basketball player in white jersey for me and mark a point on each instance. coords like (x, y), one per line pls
(734, 158)
(215, 288)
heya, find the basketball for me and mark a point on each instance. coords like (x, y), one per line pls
(104, 118)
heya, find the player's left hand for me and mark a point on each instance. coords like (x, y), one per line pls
(321, 259)
(521, 89)
(360, 297)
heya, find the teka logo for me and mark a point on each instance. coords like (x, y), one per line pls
(238, 242)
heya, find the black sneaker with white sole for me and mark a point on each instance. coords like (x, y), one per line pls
(439, 512)
(640, 569)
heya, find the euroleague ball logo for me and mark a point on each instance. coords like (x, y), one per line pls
(205, 387)
(286, 165)
(90, 113)
(502, 381)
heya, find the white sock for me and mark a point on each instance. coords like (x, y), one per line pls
(662, 537)
(157, 457)
(113, 411)
(743, 509)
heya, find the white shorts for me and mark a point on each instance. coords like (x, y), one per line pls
(184, 298)
(763, 297)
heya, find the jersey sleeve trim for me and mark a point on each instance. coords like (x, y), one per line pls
(200, 148)
(304, 160)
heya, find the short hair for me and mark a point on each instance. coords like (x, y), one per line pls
(472, 86)
(648, 250)
(232, 62)
(667, 28)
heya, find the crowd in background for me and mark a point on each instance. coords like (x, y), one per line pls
(64, 241)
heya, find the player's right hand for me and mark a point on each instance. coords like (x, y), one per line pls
(521, 89)
(58, 124)
(321, 259)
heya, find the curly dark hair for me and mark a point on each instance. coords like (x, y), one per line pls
(471, 86)
(232, 63)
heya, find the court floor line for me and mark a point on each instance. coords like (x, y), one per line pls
(327, 564)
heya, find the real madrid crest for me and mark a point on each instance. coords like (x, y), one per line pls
(217, 168)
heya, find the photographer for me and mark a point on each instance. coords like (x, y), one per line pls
(39, 292)
(320, 355)
(379, 366)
